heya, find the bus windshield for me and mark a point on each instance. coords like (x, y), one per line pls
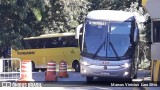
(106, 39)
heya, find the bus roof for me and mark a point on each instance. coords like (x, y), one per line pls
(50, 36)
(111, 15)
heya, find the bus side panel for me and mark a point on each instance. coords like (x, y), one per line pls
(71, 54)
(42, 56)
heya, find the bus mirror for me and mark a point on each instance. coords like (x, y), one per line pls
(78, 31)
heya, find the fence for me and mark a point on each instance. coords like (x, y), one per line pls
(10, 69)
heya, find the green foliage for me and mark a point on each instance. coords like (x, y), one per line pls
(17, 21)
(64, 15)
(25, 18)
(110, 4)
(37, 13)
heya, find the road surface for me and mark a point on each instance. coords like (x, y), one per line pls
(76, 82)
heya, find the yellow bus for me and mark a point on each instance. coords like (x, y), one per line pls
(47, 47)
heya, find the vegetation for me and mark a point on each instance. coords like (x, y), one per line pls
(25, 18)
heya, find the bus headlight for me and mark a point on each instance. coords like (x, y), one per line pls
(126, 65)
(85, 63)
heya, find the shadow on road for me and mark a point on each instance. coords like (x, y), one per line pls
(107, 81)
(96, 82)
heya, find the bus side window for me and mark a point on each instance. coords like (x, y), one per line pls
(40, 43)
(32, 44)
(63, 42)
(37, 44)
(54, 43)
(72, 42)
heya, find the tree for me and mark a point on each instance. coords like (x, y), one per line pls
(64, 15)
(25, 18)
(110, 4)
(17, 19)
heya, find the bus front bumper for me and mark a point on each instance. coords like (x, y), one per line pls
(99, 71)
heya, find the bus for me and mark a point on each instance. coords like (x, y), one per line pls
(44, 48)
(110, 45)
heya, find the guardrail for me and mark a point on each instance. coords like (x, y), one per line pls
(10, 69)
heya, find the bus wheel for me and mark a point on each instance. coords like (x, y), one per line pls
(76, 66)
(33, 66)
(135, 76)
(129, 80)
(89, 79)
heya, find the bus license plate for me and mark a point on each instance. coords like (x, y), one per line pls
(104, 73)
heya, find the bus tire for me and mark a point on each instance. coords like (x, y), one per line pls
(128, 79)
(89, 79)
(76, 66)
(33, 66)
(135, 76)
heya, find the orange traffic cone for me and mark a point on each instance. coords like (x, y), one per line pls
(50, 75)
(63, 70)
(26, 71)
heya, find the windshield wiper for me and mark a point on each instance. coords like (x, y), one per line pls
(99, 48)
(110, 43)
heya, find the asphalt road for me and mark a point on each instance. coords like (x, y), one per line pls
(76, 82)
